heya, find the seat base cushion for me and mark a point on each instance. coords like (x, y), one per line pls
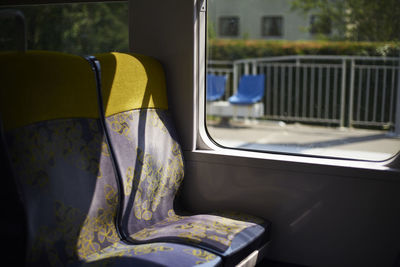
(240, 234)
(154, 254)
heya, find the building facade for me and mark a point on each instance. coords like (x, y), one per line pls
(258, 19)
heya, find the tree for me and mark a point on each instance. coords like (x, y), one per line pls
(354, 20)
(80, 28)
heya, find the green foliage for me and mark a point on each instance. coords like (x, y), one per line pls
(238, 49)
(354, 20)
(211, 33)
(77, 28)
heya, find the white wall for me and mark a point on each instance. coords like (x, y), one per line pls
(251, 12)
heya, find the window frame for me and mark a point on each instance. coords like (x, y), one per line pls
(205, 146)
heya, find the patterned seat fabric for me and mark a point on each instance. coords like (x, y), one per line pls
(48, 106)
(150, 162)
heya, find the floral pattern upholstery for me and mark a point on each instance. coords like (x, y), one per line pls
(151, 163)
(65, 174)
(63, 167)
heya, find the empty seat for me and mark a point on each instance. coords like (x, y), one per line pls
(250, 90)
(92, 186)
(150, 163)
(215, 87)
(61, 163)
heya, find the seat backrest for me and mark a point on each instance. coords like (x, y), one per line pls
(49, 110)
(147, 153)
(215, 87)
(250, 90)
(148, 158)
(252, 86)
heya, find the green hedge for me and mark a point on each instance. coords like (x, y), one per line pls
(239, 49)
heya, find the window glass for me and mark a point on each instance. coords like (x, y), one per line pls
(272, 26)
(80, 28)
(329, 87)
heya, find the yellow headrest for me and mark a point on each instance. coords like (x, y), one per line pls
(131, 81)
(39, 85)
(42, 85)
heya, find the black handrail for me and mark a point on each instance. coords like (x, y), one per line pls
(95, 65)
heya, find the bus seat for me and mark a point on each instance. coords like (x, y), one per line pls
(215, 87)
(250, 91)
(61, 163)
(150, 163)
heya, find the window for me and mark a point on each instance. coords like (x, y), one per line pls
(77, 28)
(272, 26)
(228, 26)
(300, 95)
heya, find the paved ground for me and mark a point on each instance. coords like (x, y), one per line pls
(304, 139)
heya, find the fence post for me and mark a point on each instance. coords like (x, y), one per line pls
(246, 68)
(351, 96)
(297, 88)
(397, 114)
(343, 94)
(235, 77)
(297, 61)
(228, 85)
(254, 67)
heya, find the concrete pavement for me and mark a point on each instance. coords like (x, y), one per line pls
(303, 139)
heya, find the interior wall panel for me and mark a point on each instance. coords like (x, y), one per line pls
(165, 30)
(317, 220)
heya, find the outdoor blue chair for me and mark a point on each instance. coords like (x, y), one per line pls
(250, 91)
(215, 87)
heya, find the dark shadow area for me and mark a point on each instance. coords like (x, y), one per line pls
(13, 223)
(124, 261)
(109, 66)
(322, 144)
(224, 122)
(271, 263)
(55, 159)
(67, 195)
(141, 143)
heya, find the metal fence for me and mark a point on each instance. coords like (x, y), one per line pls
(340, 90)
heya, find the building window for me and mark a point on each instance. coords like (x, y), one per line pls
(320, 25)
(272, 26)
(229, 26)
